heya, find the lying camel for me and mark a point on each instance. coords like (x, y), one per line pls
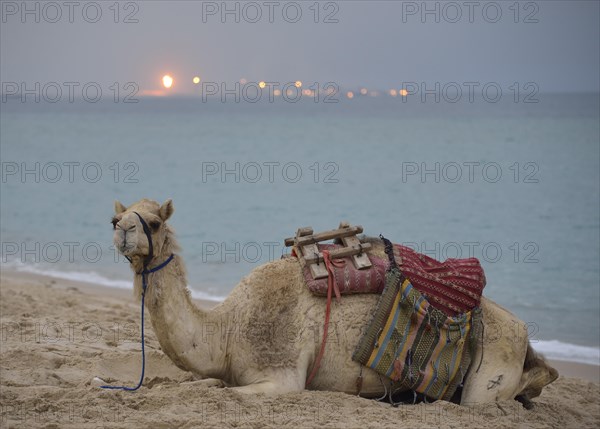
(265, 337)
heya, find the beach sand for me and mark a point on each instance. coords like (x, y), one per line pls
(57, 335)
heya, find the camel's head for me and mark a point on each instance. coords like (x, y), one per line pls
(130, 238)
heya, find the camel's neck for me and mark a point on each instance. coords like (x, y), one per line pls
(179, 325)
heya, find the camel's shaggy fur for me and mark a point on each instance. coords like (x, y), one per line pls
(265, 336)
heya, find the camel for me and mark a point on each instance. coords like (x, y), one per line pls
(265, 337)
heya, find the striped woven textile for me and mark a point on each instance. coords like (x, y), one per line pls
(416, 345)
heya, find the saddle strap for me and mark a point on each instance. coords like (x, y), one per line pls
(331, 287)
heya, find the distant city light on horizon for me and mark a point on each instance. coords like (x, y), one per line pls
(297, 87)
(167, 81)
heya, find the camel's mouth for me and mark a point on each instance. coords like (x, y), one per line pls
(126, 249)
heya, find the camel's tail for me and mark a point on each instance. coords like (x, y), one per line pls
(536, 375)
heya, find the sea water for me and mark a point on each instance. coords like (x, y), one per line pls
(514, 184)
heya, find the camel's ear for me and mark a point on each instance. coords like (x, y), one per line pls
(119, 208)
(166, 210)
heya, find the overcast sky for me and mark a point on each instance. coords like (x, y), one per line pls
(374, 44)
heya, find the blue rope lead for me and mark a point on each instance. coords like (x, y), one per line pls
(144, 285)
(131, 389)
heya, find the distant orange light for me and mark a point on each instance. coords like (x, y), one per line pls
(350, 94)
(393, 92)
(363, 91)
(298, 84)
(196, 80)
(262, 84)
(277, 92)
(403, 92)
(167, 81)
(243, 81)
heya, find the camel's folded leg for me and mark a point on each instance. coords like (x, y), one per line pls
(497, 364)
(208, 382)
(495, 381)
(268, 388)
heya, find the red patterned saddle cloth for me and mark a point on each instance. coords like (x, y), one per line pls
(453, 286)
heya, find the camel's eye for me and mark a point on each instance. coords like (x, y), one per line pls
(114, 222)
(154, 224)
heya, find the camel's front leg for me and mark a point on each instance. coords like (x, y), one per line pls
(270, 388)
(271, 383)
(266, 387)
(207, 382)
